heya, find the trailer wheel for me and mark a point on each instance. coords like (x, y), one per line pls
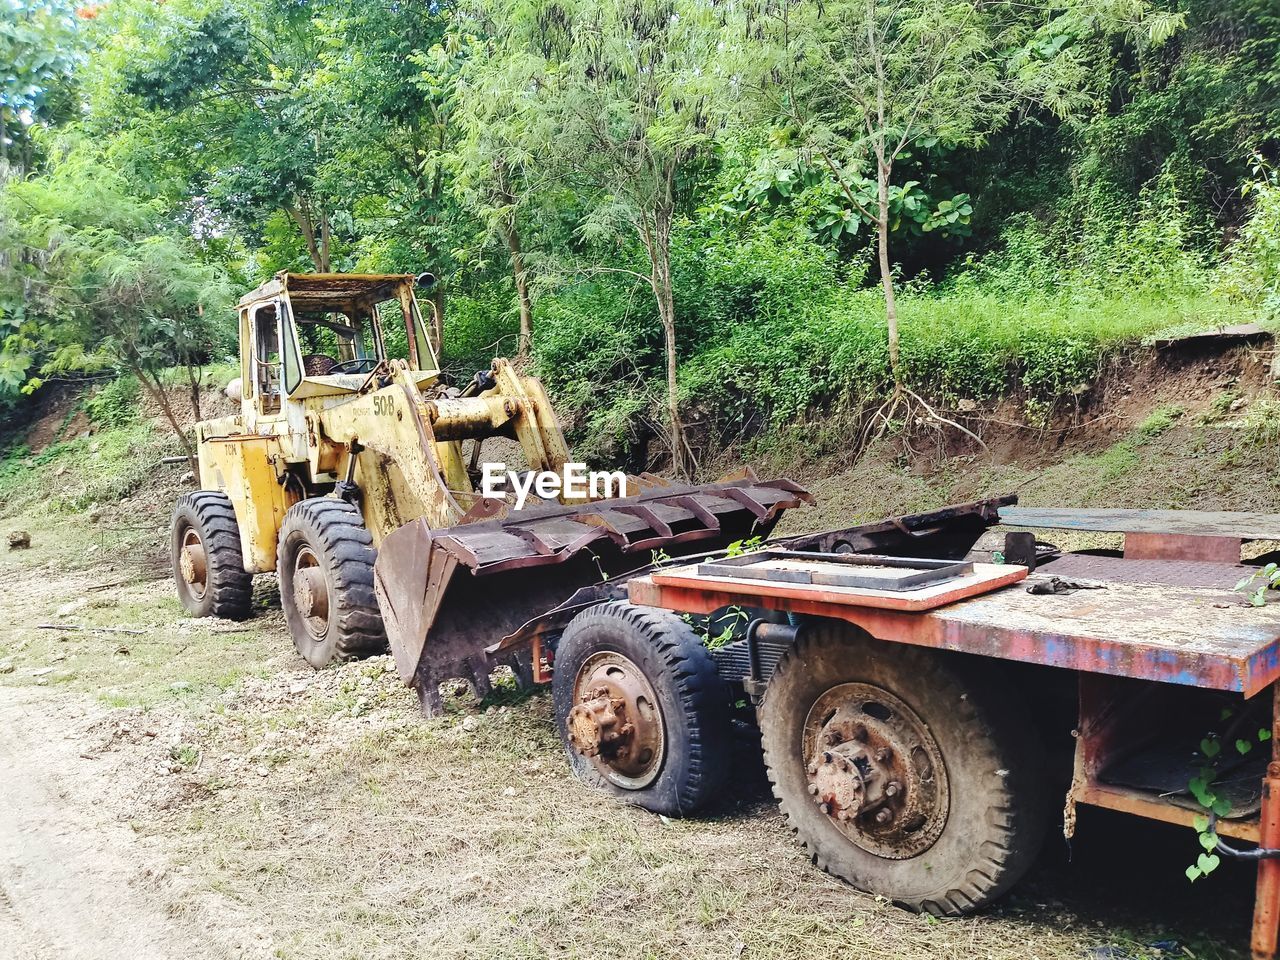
(208, 568)
(641, 710)
(325, 563)
(902, 770)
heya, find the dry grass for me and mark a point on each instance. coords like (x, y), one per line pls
(405, 844)
(359, 830)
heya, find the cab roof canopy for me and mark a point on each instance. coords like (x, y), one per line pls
(329, 292)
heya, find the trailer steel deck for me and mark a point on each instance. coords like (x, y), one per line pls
(1195, 636)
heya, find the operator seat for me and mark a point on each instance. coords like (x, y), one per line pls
(318, 365)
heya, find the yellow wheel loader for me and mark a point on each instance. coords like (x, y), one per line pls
(345, 472)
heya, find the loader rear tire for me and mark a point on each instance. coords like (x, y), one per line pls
(208, 567)
(846, 716)
(640, 708)
(325, 564)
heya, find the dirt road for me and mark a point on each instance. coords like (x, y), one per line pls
(76, 883)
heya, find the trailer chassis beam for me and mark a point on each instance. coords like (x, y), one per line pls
(1266, 900)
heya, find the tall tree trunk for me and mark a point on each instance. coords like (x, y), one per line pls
(155, 387)
(886, 273)
(193, 381)
(326, 264)
(660, 258)
(520, 276)
(301, 215)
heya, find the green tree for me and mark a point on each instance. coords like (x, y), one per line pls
(499, 170)
(863, 84)
(39, 47)
(631, 93)
(864, 81)
(107, 278)
(390, 75)
(231, 98)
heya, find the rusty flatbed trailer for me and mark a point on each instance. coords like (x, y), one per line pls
(1151, 640)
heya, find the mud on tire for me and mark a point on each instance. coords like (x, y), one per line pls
(992, 796)
(325, 564)
(691, 700)
(204, 549)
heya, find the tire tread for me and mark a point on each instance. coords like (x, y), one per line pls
(336, 529)
(1014, 837)
(696, 683)
(230, 586)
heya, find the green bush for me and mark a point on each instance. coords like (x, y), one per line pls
(115, 404)
(480, 324)
(1252, 273)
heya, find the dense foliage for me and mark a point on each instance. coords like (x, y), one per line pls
(685, 214)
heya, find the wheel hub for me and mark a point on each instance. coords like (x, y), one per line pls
(874, 767)
(596, 723)
(311, 592)
(193, 564)
(615, 720)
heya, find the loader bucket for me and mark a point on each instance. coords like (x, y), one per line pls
(447, 594)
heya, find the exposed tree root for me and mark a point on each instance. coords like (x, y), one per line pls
(906, 406)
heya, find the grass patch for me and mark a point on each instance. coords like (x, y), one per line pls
(70, 475)
(424, 838)
(1261, 424)
(1157, 422)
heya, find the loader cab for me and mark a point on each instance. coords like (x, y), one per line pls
(315, 335)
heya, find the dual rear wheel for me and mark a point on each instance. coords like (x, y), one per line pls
(905, 772)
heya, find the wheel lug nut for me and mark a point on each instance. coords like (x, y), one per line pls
(891, 788)
(813, 788)
(813, 768)
(884, 754)
(883, 816)
(825, 808)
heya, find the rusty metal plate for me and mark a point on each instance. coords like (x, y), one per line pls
(1181, 546)
(652, 520)
(1170, 573)
(1192, 636)
(440, 622)
(837, 569)
(948, 532)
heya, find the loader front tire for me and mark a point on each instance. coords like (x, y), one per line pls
(208, 567)
(641, 710)
(908, 773)
(325, 564)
